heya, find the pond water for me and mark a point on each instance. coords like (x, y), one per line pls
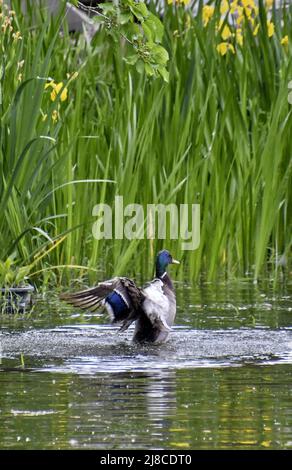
(223, 381)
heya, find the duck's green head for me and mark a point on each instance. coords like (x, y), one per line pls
(163, 259)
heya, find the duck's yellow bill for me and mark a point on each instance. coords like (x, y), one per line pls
(175, 261)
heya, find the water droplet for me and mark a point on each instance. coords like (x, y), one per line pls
(73, 442)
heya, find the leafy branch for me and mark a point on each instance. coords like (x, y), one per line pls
(140, 28)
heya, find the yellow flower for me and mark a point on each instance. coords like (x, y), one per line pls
(208, 12)
(185, 2)
(269, 3)
(224, 7)
(248, 3)
(239, 37)
(188, 22)
(256, 30)
(285, 40)
(57, 87)
(72, 76)
(219, 25)
(271, 28)
(51, 83)
(223, 47)
(240, 11)
(64, 94)
(56, 90)
(226, 33)
(231, 48)
(16, 36)
(248, 11)
(233, 6)
(239, 19)
(55, 116)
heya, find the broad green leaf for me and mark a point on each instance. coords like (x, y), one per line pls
(140, 66)
(164, 73)
(148, 32)
(159, 54)
(124, 18)
(149, 69)
(108, 7)
(140, 11)
(131, 59)
(131, 31)
(155, 26)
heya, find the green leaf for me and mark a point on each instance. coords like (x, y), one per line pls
(131, 31)
(164, 73)
(154, 24)
(124, 18)
(149, 69)
(99, 19)
(108, 7)
(132, 59)
(148, 32)
(140, 66)
(140, 11)
(159, 54)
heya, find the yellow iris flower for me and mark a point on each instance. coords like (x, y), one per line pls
(55, 116)
(208, 12)
(226, 33)
(269, 3)
(239, 37)
(256, 30)
(271, 28)
(224, 7)
(57, 87)
(185, 2)
(223, 47)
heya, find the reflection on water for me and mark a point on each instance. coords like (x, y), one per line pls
(223, 381)
(247, 407)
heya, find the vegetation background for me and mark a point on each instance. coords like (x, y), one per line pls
(194, 109)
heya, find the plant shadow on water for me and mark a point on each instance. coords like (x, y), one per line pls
(223, 380)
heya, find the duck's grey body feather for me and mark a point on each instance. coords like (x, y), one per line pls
(159, 306)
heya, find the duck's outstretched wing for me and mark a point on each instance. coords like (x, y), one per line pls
(90, 299)
(128, 297)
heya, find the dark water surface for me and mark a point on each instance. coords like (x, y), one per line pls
(223, 380)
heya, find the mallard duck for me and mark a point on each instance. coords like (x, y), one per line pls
(152, 307)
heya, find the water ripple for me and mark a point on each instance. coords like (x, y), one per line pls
(89, 349)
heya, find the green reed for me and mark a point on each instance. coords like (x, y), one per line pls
(218, 134)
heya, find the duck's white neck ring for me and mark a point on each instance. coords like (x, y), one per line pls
(163, 275)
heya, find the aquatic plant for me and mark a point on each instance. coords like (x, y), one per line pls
(11, 275)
